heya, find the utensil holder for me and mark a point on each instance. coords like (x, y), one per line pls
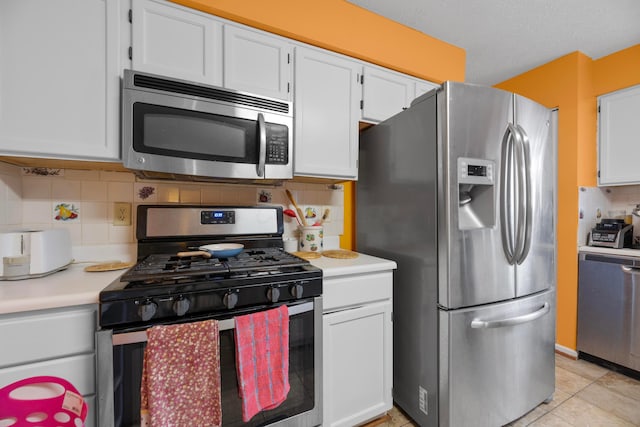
(310, 239)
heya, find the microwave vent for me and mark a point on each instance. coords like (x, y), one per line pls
(210, 92)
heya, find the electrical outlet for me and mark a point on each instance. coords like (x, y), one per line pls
(122, 213)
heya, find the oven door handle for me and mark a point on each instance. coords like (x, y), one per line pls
(223, 325)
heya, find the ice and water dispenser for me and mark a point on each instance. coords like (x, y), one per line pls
(476, 194)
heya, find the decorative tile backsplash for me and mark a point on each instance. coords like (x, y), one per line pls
(83, 201)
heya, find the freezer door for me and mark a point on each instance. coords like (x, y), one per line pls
(536, 268)
(474, 121)
(497, 362)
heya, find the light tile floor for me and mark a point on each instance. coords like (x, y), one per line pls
(586, 395)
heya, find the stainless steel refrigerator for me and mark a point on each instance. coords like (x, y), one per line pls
(459, 190)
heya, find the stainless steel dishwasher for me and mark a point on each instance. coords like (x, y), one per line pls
(609, 309)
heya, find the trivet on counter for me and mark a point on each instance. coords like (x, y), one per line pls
(109, 266)
(340, 254)
(307, 255)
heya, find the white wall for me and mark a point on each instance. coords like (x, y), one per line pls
(32, 201)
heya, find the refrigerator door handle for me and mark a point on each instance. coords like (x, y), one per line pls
(506, 202)
(526, 202)
(482, 324)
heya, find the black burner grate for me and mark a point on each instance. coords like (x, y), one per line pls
(169, 268)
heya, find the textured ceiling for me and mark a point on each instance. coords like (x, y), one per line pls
(503, 38)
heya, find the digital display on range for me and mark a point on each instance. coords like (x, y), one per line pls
(217, 217)
(475, 170)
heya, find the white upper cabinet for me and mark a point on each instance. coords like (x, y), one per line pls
(175, 41)
(619, 137)
(422, 86)
(256, 62)
(326, 111)
(60, 65)
(384, 93)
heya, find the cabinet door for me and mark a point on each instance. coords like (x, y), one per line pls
(618, 130)
(421, 87)
(327, 98)
(384, 93)
(357, 371)
(59, 78)
(174, 41)
(257, 63)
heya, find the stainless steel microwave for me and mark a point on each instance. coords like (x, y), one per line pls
(181, 129)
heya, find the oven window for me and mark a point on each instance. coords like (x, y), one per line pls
(193, 134)
(127, 371)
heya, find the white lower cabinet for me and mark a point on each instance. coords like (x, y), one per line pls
(56, 342)
(357, 349)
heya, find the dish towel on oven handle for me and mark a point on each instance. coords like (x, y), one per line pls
(262, 359)
(181, 376)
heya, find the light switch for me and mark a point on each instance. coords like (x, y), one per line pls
(122, 213)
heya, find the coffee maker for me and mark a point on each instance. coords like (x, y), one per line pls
(612, 233)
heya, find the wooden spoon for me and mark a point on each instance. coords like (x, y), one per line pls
(325, 215)
(295, 205)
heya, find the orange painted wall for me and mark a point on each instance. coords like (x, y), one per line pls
(617, 71)
(345, 28)
(572, 84)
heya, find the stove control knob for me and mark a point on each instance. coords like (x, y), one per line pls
(147, 309)
(297, 290)
(181, 306)
(230, 299)
(273, 294)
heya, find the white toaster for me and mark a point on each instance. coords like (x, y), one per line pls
(29, 254)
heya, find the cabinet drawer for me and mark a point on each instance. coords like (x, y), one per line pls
(345, 291)
(40, 335)
(78, 370)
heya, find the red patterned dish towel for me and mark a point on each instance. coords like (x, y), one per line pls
(181, 376)
(262, 359)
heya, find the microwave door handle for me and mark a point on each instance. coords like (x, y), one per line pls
(262, 140)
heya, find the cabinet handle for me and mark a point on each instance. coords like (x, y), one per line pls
(632, 270)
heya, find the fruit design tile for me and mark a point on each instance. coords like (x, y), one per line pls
(66, 212)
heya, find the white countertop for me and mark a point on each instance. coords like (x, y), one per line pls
(74, 286)
(362, 264)
(69, 287)
(610, 251)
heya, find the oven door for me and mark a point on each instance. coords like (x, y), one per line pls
(120, 358)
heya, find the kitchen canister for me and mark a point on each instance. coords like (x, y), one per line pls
(311, 238)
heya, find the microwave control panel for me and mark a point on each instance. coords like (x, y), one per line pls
(277, 144)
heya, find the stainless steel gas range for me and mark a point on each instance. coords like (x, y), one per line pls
(167, 286)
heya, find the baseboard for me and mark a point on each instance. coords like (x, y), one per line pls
(566, 351)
